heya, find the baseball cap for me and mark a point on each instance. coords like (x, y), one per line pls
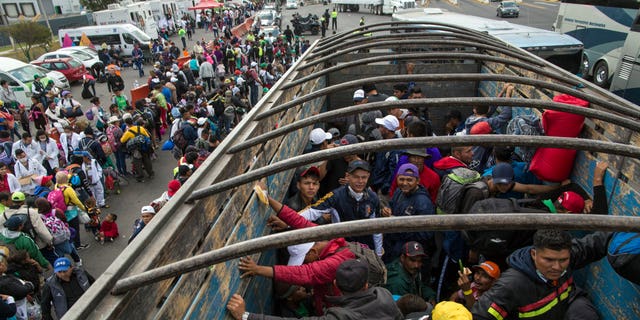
(65, 92)
(126, 116)
(172, 187)
(298, 252)
(17, 196)
(45, 180)
(409, 170)
(352, 275)
(15, 221)
(390, 122)
(348, 139)
(335, 133)
(417, 152)
(449, 310)
(318, 136)
(310, 170)
(481, 127)
(490, 267)
(358, 164)
(358, 95)
(148, 209)
(502, 173)
(413, 249)
(61, 264)
(202, 121)
(571, 201)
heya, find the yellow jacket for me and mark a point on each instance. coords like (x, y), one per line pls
(70, 196)
(129, 135)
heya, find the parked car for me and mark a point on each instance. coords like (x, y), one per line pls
(292, 4)
(70, 67)
(59, 80)
(269, 18)
(89, 61)
(508, 9)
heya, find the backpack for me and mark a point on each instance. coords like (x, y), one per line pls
(500, 243)
(28, 226)
(624, 255)
(57, 227)
(229, 54)
(453, 187)
(139, 142)
(74, 178)
(5, 155)
(89, 114)
(86, 146)
(178, 138)
(525, 125)
(56, 198)
(377, 270)
(112, 138)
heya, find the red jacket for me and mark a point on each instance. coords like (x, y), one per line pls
(110, 229)
(319, 274)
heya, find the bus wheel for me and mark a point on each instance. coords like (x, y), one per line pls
(601, 74)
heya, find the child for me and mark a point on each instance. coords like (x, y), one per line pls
(94, 213)
(108, 229)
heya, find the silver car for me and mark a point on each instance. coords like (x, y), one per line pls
(508, 9)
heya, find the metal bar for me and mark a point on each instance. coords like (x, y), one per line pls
(357, 32)
(355, 44)
(632, 124)
(435, 56)
(635, 112)
(407, 143)
(386, 225)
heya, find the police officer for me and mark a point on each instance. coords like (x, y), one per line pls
(334, 19)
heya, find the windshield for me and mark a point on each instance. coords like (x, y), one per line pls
(26, 73)
(508, 4)
(80, 55)
(141, 36)
(74, 63)
(266, 16)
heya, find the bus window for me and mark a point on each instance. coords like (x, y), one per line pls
(109, 39)
(128, 39)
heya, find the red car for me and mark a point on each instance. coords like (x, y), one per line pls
(70, 67)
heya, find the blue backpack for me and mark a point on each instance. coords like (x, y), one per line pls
(624, 255)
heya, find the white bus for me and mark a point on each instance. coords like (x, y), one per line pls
(626, 81)
(559, 49)
(602, 26)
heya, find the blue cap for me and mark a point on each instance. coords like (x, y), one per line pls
(15, 221)
(61, 264)
(502, 173)
(409, 170)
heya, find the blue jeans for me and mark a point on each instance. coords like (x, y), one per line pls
(138, 63)
(121, 165)
(67, 248)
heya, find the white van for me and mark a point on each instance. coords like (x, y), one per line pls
(123, 35)
(19, 75)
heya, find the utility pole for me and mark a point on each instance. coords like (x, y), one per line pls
(46, 17)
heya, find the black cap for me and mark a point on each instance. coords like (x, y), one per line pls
(15, 221)
(358, 164)
(352, 276)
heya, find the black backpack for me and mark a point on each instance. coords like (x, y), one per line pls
(377, 270)
(500, 243)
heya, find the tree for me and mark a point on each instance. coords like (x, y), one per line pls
(37, 34)
(97, 5)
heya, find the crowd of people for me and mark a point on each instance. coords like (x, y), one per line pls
(52, 186)
(55, 184)
(462, 273)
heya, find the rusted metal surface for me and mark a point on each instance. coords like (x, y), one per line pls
(387, 225)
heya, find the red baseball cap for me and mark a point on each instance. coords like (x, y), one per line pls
(481, 127)
(173, 187)
(571, 201)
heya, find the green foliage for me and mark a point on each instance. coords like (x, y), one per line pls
(37, 35)
(97, 5)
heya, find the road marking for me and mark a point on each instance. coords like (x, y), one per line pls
(531, 5)
(548, 4)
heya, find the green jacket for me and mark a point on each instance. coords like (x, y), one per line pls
(400, 282)
(23, 242)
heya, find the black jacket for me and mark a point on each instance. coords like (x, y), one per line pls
(519, 288)
(374, 303)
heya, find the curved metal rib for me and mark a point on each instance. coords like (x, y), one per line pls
(407, 143)
(635, 113)
(435, 56)
(387, 225)
(436, 102)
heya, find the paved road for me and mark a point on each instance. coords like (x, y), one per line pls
(538, 14)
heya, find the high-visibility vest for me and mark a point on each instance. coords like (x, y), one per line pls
(334, 14)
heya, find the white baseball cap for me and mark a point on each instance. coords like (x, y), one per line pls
(390, 122)
(318, 136)
(298, 252)
(358, 95)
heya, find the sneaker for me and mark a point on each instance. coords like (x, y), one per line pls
(97, 238)
(110, 239)
(79, 263)
(83, 246)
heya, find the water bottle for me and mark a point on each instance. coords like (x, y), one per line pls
(136, 84)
